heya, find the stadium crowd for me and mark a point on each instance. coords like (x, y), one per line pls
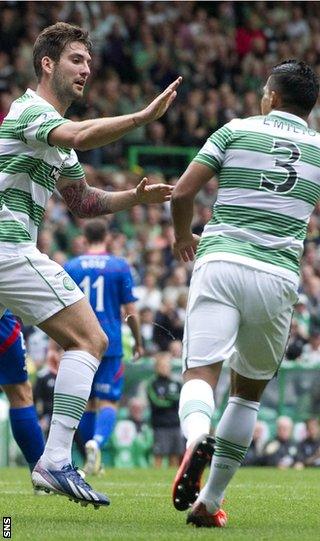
(224, 51)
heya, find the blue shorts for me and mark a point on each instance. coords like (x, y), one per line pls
(108, 381)
(13, 363)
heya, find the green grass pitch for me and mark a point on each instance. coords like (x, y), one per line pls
(263, 504)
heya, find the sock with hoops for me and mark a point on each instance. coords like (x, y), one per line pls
(71, 393)
(233, 437)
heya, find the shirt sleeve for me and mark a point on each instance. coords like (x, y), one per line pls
(35, 124)
(72, 169)
(213, 151)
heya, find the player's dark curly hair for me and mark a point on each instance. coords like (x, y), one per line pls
(52, 41)
(297, 84)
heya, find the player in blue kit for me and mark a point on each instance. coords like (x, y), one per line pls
(14, 382)
(107, 282)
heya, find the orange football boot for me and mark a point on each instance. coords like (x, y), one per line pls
(186, 485)
(201, 518)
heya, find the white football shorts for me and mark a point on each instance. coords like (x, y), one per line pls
(240, 314)
(33, 286)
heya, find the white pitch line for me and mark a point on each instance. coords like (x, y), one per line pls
(17, 492)
(117, 494)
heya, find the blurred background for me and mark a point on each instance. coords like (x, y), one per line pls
(224, 51)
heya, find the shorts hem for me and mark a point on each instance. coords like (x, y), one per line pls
(255, 376)
(197, 363)
(54, 311)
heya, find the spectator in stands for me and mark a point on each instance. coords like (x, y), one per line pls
(176, 284)
(246, 34)
(311, 351)
(296, 342)
(156, 134)
(309, 449)
(298, 28)
(168, 326)
(147, 327)
(131, 442)
(282, 450)
(36, 345)
(315, 396)
(148, 294)
(312, 290)
(302, 316)
(175, 348)
(163, 396)
(134, 222)
(44, 385)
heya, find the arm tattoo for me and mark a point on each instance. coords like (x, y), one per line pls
(85, 201)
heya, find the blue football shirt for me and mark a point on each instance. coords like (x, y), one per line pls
(107, 282)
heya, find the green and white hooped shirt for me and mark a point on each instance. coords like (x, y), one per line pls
(30, 168)
(269, 182)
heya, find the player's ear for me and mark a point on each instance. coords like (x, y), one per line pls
(275, 100)
(47, 64)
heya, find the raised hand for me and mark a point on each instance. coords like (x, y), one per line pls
(160, 104)
(153, 193)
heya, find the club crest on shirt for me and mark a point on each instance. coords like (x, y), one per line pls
(68, 283)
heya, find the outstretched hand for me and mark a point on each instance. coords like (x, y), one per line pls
(185, 249)
(161, 103)
(153, 193)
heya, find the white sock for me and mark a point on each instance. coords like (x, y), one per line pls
(71, 393)
(195, 409)
(233, 437)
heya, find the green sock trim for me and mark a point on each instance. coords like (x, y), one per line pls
(224, 448)
(222, 441)
(195, 406)
(68, 405)
(71, 398)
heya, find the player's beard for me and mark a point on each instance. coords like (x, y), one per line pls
(62, 88)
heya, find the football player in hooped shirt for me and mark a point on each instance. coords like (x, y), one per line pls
(107, 282)
(15, 384)
(37, 148)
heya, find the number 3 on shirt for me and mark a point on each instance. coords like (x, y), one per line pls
(286, 163)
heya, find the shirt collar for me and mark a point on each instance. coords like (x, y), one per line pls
(289, 116)
(35, 95)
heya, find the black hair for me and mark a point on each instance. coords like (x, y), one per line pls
(95, 230)
(297, 84)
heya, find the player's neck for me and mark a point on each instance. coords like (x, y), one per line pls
(99, 248)
(305, 118)
(45, 92)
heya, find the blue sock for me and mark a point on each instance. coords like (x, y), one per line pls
(105, 421)
(86, 425)
(27, 433)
